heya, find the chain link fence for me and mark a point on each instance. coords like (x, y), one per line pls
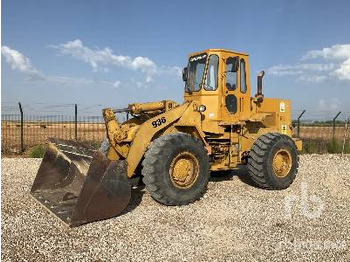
(18, 136)
(321, 132)
(21, 131)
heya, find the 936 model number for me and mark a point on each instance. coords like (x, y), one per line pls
(158, 122)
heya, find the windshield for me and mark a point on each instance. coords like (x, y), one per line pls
(195, 67)
(210, 82)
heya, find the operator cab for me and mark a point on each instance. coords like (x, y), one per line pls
(219, 80)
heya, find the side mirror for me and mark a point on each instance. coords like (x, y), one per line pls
(184, 74)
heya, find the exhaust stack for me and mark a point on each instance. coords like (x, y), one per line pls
(259, 95)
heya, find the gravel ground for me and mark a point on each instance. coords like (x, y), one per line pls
(233, 221)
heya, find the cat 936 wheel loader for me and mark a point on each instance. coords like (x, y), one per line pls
(173, 147)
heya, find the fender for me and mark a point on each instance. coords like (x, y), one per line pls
(147, 131)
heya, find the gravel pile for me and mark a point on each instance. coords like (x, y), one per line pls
(233, 221)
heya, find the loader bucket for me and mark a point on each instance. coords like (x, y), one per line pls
(80, 185)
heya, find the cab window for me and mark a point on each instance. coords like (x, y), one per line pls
(195, 72)
(211, 81)
(231, 76)
(243, 77)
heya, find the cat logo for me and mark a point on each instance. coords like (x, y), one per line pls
(195, 58)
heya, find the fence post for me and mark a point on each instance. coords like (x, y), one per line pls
(76, 122)
(334, 124)
(299, 121)
(345, 135)
(22, 133)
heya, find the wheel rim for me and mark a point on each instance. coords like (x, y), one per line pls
(282, 162)
(184, 170)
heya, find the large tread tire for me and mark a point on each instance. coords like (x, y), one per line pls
(260, 161)
(156, 166)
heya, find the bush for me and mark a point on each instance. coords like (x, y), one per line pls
(334, 146)
(321, 146)
(38, 151)
(309, 147)
(314, 146)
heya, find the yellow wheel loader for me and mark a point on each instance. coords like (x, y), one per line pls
(173, 147)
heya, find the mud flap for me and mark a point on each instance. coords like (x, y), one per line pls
(80, 185)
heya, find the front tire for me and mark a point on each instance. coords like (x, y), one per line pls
(273, 161)
(176, 169)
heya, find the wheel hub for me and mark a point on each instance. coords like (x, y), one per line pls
(282, 162)
(184, 170)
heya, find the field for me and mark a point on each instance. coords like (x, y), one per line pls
(234, 221)
(37, 132)
(322, 132)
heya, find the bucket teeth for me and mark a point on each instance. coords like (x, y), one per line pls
(80, 185)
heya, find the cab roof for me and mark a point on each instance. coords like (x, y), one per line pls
(214, 50)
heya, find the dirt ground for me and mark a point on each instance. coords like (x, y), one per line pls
(234, 221)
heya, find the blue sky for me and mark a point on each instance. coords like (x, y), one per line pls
(111, 53)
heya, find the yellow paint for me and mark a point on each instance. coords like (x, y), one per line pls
(145, 134)
(227, 136)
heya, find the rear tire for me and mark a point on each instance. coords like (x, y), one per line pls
(176, 169)
(273, 161)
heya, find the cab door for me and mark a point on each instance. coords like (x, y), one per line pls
(236, 95)
(244, 89)
(230, 90)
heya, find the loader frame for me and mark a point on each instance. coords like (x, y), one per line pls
(219, 125)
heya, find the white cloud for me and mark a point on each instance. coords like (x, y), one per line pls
(334, 52)
(328, 104)
(117, 83)
(97, 59)
(21, 63)
(312, 78)
(333, 62)
(149, 79)
(299, 69)
(343, 72)
(140, 85)
(175, 71)
(340, 53)
(100, 59)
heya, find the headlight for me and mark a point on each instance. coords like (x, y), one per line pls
(201, 108)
